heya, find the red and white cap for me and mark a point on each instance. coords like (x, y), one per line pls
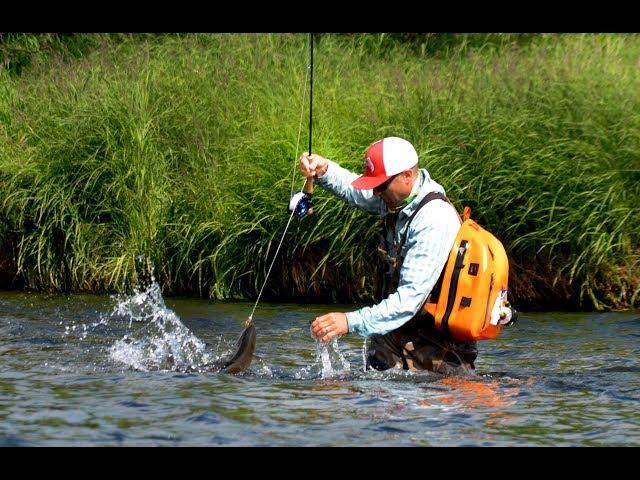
(383, 159)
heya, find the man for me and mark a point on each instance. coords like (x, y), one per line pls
(416, 240)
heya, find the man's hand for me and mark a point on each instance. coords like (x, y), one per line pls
(313, 165)
(329, 326)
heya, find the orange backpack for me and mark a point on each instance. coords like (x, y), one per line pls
(469, 300)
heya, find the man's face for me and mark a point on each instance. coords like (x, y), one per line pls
(392, 191)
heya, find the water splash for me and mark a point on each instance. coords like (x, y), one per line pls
(164, 342)
(331, 361)
(364, 354)
(81, 330)
(142, 306)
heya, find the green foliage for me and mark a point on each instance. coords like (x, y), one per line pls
(439, 45)
(19, 50)
(181, 148)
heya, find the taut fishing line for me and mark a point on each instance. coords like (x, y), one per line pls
(300, 204)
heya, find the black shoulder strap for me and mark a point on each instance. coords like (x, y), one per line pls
(428, 197)
(435, 291)
(399, 258)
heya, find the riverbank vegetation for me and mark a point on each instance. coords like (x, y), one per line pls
(180, 149)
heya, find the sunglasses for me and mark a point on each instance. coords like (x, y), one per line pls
(383, 186)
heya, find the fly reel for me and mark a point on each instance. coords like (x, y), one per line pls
(301, 204)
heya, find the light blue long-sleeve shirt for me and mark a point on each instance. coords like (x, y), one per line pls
(429, 240)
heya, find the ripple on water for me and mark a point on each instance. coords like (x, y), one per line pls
(553, 380)
(206, 417)
(13, 441)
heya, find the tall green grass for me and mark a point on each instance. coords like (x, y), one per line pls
(181, 149)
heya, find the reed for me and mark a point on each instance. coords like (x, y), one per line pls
(180, 149)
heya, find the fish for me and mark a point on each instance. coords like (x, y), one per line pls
(245, 347)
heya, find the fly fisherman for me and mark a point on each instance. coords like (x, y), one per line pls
(415, 244)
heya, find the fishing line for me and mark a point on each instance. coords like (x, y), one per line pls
(309, 76)
(298, 200)
(271, 266)
(304, 96)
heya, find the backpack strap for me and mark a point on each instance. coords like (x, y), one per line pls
(387, 278)
(435, 291)
(428, 197)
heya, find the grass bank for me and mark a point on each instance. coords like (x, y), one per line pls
(180, 149)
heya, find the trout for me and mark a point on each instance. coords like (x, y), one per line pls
(245, 347)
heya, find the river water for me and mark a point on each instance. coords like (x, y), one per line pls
(139, 370)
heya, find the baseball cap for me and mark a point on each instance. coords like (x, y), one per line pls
(383, 159)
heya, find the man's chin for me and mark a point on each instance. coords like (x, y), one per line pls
(390, 205)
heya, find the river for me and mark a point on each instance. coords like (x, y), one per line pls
(138, 370)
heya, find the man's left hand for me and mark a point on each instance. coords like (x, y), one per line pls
(329, 326)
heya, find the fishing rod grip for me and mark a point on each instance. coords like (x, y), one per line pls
(308, 189)
(308, 186)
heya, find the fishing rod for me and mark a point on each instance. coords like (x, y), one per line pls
(300, 205)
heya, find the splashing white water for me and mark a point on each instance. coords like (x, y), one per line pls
(81, 330)
(163, 343)
(364, 355)
(331, 360)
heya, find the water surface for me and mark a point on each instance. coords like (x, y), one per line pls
(140, 371)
